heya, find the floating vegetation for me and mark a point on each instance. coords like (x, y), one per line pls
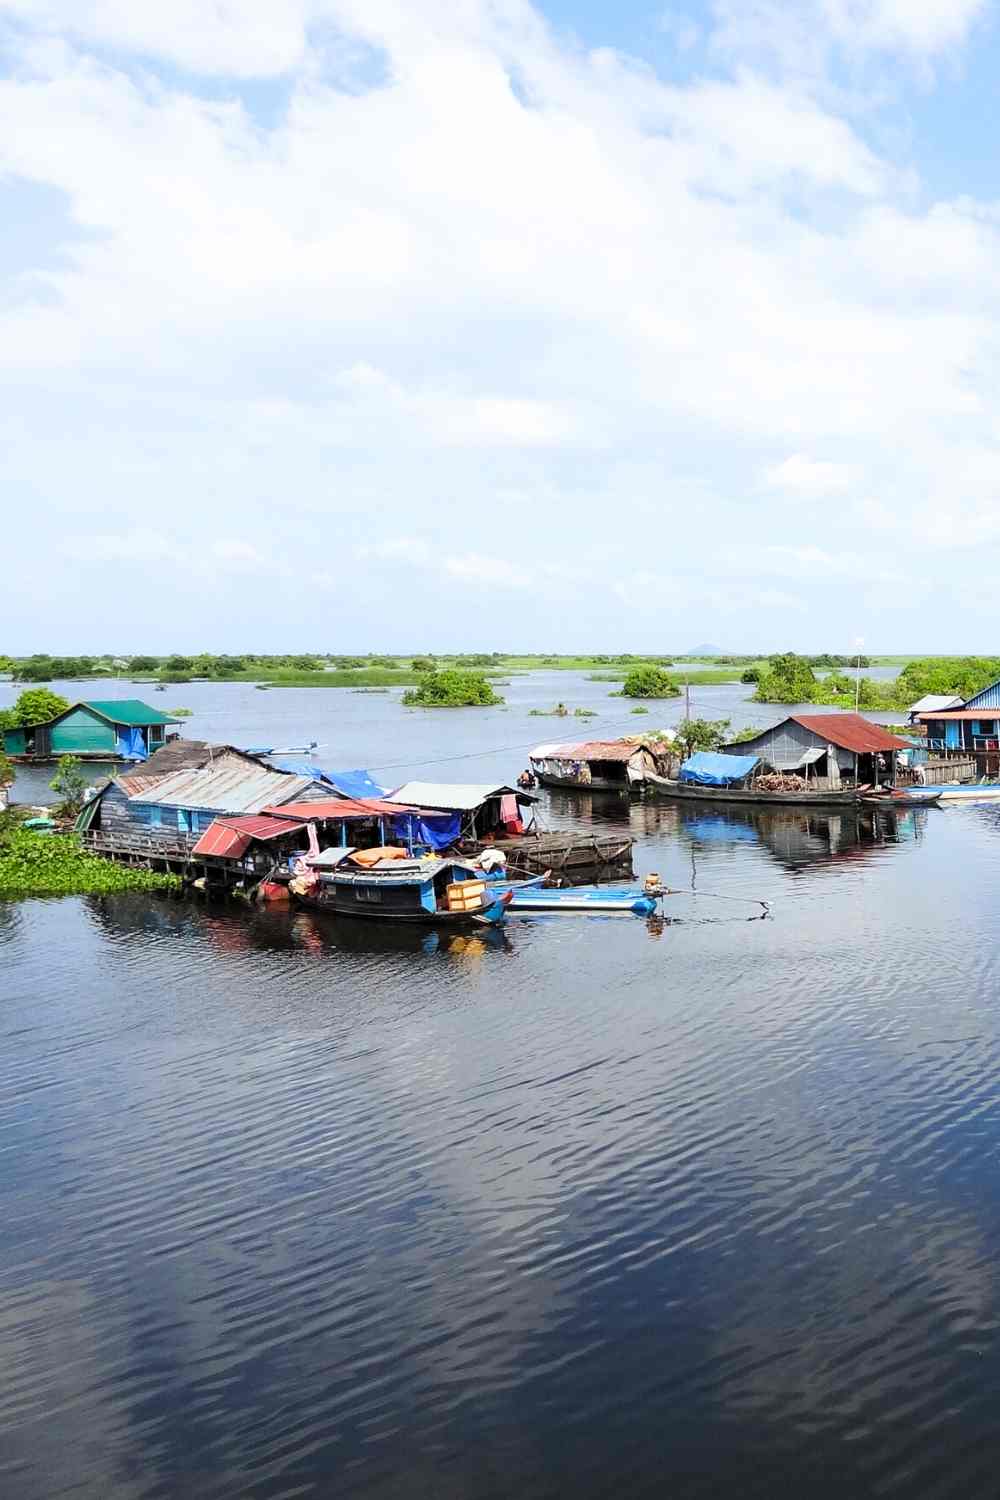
(182, 713)
(56, 864)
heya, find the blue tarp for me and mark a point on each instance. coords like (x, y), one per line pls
(348, 783)
(355, 783)
(131, 745)
(436, 832)
(709, 768)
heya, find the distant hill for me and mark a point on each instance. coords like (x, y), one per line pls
(705, 651)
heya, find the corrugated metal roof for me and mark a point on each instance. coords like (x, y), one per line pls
(590, 750)
(931, 701)
(229, 838)
(193, 755)
(133, 785)
(851, 732)
(989, 714)
(338, 807)
(127, 711)
(231, 788)
(452, 796)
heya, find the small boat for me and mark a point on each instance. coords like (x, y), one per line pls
(445, 892)
(531, 895)
(968, 791)
(910, 796)
(309, 749)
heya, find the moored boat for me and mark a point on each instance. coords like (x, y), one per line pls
(972, 791)
(688, 791)
(593, 898)
(898, 797)
(445, 892)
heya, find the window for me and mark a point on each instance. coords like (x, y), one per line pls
(184, 824)
(367, 893)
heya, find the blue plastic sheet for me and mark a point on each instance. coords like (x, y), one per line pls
(131, 745)
(710, 768)
(436, 833)
(347, 783)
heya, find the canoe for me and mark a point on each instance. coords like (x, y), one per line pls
(593, 898)
(689, 791)
(917, 796)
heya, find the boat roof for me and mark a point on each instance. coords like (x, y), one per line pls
(457, 796)
(592, 750)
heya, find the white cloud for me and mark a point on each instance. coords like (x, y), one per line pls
(511, 284)
(492, 572)
(808, 478)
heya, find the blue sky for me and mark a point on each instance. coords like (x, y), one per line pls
(444, 324)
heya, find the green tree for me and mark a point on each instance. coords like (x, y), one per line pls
(701, 734)
(451, 690)
(750, 674)
(423, 664)
(69, 783)
(144, 664)
(36, 706)
(787, 679)
(649, 682)
(8, 771)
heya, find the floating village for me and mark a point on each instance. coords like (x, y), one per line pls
(270, 824)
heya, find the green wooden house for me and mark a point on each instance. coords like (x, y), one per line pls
(105, 729)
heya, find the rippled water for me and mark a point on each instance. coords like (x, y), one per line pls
(591, 1206)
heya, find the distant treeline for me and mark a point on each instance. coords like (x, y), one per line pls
(789, 678)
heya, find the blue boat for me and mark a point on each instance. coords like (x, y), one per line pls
(968, 791)
(532, 895)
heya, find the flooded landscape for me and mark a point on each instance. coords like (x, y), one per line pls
(582, 1205)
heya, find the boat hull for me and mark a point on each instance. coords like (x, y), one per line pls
(685, 791)
(954, 791)
(488, 916)
(897, 800)
(570, 783)
(535, 898)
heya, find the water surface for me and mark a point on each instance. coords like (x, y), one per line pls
(589, 1206)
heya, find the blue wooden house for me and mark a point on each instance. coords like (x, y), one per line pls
(973, 728)
(166, 815)
(98, 729)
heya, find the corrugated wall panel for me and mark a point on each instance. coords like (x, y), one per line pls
(988, 698)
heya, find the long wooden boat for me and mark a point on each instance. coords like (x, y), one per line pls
(899, 797)
(438, 892)
(688, 791)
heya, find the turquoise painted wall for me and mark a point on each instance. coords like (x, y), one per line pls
(82, 732)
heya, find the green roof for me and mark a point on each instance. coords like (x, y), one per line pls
(127, 711)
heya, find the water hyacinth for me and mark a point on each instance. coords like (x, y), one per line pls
(55, 864)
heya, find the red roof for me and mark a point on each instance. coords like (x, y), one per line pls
(851, 732)
(229, 838)
(961, 713)
(338, 807)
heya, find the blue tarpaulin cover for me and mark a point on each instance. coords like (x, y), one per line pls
(347, 783)
(436, 832)
(709, 768)
(131, 745)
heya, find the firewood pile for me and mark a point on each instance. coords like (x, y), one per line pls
(777, 781)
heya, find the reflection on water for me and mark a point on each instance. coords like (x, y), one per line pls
(691, 1205)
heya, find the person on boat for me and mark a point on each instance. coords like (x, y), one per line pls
(919, 775)
(526, 780)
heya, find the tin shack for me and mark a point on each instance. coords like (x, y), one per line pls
(827, 750)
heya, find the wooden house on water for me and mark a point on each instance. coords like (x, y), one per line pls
(159, 819)
(827, 751)
(105, 729)
(970, 730)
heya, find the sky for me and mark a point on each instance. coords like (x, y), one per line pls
(350, 325)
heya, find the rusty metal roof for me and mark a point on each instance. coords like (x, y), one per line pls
(340, 808)
(230, 838)
(591, 750)
(230, 788)
(850, 732)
